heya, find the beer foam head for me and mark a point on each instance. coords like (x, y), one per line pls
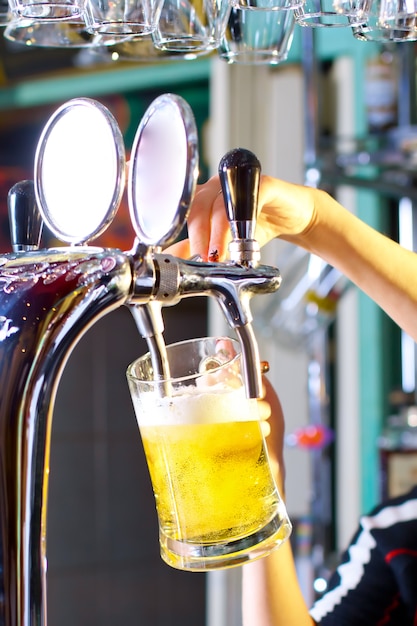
(196, 405)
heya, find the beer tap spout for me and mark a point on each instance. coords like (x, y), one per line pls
(150, 324)
(250, 360)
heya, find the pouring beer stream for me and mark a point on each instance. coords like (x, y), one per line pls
(50, 297)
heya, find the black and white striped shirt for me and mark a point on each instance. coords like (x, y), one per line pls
(376, 582)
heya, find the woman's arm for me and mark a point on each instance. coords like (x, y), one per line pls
(383, 269)
(271, 595)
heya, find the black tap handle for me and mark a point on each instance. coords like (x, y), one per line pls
(24, 217)
(240, 172)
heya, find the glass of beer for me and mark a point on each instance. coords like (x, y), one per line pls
(217, 502)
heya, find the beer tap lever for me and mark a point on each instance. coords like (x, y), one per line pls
(239, 172)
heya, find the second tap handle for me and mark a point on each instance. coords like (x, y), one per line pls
(240, 172)
(24, 217)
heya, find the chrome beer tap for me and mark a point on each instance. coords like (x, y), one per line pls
(234, 283)
(50, 297)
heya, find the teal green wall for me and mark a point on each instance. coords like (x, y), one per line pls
(379, 361)
(119, 79)
(372, 372)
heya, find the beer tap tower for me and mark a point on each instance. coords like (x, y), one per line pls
(50, 297)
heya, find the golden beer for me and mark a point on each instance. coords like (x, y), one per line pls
(220, 477)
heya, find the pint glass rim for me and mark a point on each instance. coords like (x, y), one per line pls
(191, 376)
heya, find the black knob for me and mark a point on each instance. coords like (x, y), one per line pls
(24, 217)
(240, 172)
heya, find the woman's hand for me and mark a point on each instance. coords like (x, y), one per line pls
(273, 426)
(284, 210)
